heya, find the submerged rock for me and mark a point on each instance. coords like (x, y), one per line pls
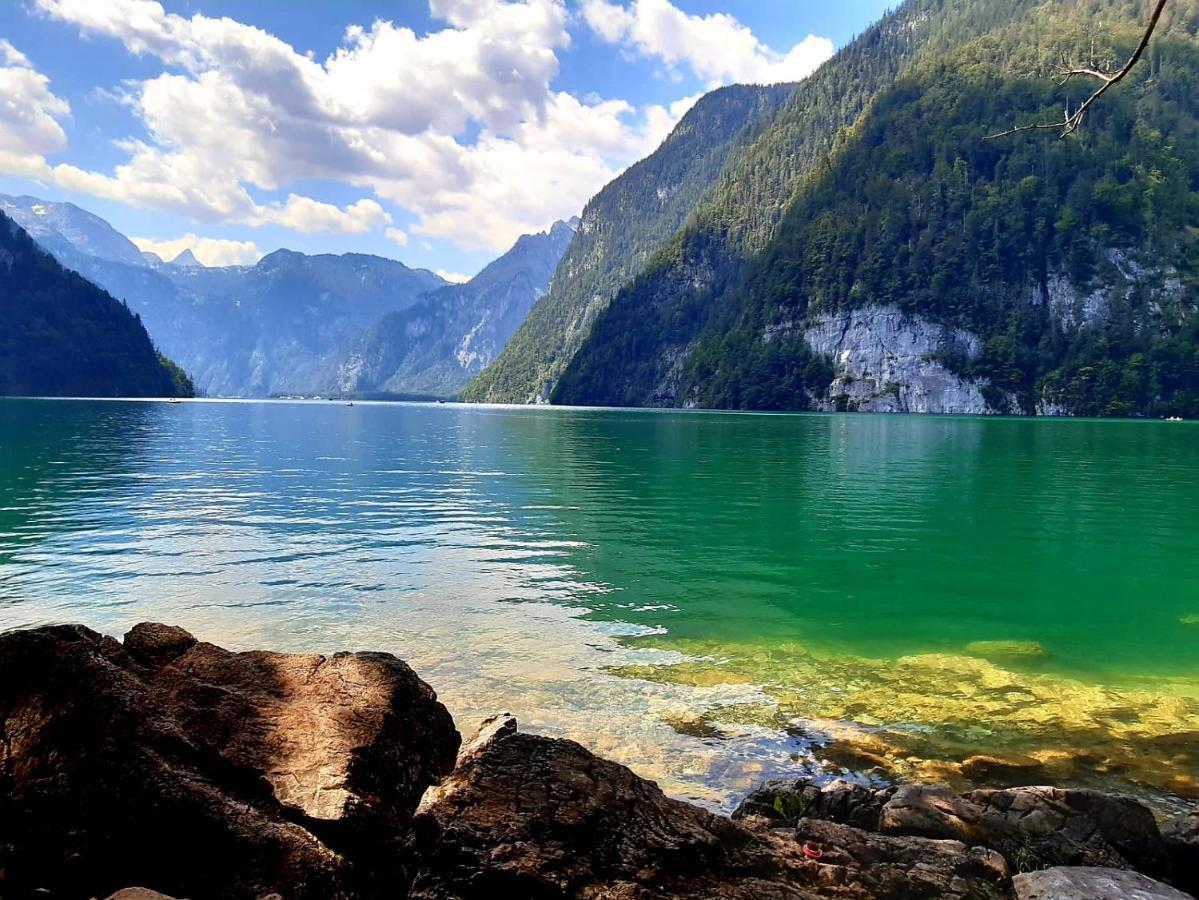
(183, 767)
(1006, 651)
(1084, 883)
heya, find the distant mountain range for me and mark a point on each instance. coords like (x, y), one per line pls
(299, 324)
(439, 343)
(60, 335)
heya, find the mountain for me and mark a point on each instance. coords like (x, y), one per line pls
(872, 249)
(56, 225)
(185, 260)
(241, 331)
(621, 228)
(60, 335)
(435, 346)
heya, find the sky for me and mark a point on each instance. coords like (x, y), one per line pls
(435, 132)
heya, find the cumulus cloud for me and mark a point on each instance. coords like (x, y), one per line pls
(397, 236)
(30, 114)
(716, 47)
(208, 251)
(453, 277)
(460, 126)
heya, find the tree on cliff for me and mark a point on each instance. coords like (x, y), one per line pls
(1107, 77)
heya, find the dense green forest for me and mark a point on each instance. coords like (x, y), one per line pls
(910, 205)
(60, 335)
(621, 228)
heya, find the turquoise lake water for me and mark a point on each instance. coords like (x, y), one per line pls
(707, 598)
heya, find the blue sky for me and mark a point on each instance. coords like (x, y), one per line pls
(431, 131)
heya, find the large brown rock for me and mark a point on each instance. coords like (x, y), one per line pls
(528, 816)
(1034, 827)
(197, 772)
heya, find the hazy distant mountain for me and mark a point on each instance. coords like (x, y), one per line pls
(439, 343)
(186, 260)
(51, 224)
(60, 335)
(241, 331)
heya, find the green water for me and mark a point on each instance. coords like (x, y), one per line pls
(705, 597)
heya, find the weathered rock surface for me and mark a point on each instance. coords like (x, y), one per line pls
(885, 360)
(1089, 883)
(188, 769)
(528, 816)
(1034, 827)
(1181, 835)
(787, 800)
(857, 863)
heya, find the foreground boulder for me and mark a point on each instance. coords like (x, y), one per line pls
(1034, 827)
(1090, 883)
(187, 769)
(529, 816)
(1181, 835)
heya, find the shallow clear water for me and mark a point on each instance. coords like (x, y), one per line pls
(705, 597)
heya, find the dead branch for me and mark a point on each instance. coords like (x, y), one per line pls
(1107, 80)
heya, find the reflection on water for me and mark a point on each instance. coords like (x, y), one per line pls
(749, 572)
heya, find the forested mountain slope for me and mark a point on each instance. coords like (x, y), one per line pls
(60, 335)
(621, 228)
(916, 265)
(435, 346)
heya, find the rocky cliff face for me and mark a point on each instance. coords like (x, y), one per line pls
(885, 360)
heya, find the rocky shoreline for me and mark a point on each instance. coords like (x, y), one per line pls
(175, 766)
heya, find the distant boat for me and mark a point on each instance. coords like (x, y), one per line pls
(1174, 419)
(173, 400)
(441, 403)
(350, 403)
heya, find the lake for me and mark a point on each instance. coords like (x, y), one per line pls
(707, 598)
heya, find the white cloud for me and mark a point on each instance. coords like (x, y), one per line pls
(12, 56)
(716, 47)
(453, 277)
(209, 251)
(397, 235)
(30, 115)
(460, 126)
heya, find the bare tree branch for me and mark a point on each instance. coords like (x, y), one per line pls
(1107, 78)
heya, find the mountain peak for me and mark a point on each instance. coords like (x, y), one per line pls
(187, 260)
